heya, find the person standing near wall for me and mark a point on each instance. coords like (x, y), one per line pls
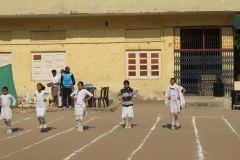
(59, 93)
(175, 101)
(55, 86)
(67, 86)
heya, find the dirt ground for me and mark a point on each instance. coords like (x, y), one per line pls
(205, 134)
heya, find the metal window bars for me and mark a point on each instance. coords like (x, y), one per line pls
(204, 56)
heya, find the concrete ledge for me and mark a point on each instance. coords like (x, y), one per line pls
(209, 102)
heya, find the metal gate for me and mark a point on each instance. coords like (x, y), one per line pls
(204, 56)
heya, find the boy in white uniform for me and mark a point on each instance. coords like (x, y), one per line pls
(175, 101)
(6, 111)
(79, 97)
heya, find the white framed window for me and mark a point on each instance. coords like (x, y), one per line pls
(143, 64)
(44, 63)
(5, 59)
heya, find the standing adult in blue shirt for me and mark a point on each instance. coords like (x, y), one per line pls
(67, 86)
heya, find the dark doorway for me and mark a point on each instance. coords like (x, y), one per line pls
(237, 54)
(201, 60)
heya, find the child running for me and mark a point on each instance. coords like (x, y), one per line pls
(6, 108)
(127, 96)
(175, 101)
(79, 97)
(41, 105)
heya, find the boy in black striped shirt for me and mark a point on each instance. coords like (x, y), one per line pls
(127, 96)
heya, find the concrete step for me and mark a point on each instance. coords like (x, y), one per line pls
(208, 102)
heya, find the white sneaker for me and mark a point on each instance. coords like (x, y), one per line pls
(80, 130)
(129, 126)
(179, 126)
(64, 108)
(126, 126)
(9, 130)
(172, 128)
(70, 107)
(45, 125)
(41, 126)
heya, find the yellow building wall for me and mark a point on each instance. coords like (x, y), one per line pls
(86, 7)
(96, 52)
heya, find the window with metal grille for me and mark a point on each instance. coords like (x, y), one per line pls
(143, 64)
(203, 56)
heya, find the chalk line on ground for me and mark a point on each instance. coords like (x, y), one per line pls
(25, 148)
(202, 116)
(143, 141)
(28, 130)
(230, 126)
(200, 151)
(18, 121)
(93, 141)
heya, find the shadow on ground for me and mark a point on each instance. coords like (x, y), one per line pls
(17, 129)
(123, 125)
(87, 127)
(47, 129)
(167, 126)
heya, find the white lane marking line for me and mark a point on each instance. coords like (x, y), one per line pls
(19, 121)
(203, 116)
(28, 130)
(229, 125)
(200, 151)
(95, 140)
(143, 141)
(25, 148)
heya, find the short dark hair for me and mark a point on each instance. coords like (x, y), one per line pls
(81, 83)
(126, 81)
(173, 79)
(4, 88)
(54, 71)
